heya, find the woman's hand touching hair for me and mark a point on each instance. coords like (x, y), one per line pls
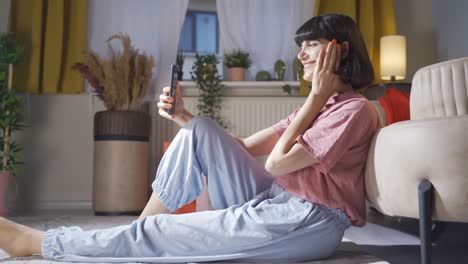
(325, 81)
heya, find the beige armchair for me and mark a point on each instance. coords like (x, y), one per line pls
(419, 168)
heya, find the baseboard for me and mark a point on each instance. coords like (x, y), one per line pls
(64, 205)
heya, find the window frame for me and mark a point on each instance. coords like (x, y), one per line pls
(193, 13)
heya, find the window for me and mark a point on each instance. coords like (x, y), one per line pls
(199, 32)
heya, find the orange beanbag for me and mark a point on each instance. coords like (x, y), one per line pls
(396, 105)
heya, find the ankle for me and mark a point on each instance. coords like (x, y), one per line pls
(34, 240)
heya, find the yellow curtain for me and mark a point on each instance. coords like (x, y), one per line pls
(53, 33)
(376, 18)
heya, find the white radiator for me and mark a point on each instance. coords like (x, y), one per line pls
(247, 115)
(242, 115)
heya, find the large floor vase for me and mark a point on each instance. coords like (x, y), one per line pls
(120, 162)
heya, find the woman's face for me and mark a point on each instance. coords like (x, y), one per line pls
(309, 54)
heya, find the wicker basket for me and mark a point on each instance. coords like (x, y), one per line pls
(120, 162)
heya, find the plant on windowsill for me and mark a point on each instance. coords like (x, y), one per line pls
(286, 88)
(121, 134)
(11, 116)
(237, 63)
(180, 62)
(205, 75)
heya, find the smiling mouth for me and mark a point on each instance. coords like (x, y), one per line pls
(308, 63)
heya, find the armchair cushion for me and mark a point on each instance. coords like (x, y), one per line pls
(440, 90)
(405, 153)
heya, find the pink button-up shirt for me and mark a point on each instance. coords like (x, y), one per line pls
(339, 138)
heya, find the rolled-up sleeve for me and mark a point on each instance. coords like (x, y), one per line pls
(329, 138)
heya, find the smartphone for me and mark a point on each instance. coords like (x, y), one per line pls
(173, 84)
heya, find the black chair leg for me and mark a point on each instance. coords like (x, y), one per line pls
(425, 190)
(438, 228)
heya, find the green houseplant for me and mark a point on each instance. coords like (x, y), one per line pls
(180, 62)
(205, 75)
(237, 63)
(11, 115)
(121, 134)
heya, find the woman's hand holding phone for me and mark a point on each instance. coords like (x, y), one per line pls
(166, 102)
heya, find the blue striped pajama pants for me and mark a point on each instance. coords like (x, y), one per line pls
(254, 219)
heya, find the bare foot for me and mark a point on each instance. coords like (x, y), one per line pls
(19, 240)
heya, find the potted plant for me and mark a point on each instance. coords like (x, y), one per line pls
(180, 62)
(205, 75)
(121, 134)
(11, 116)
(237, 63)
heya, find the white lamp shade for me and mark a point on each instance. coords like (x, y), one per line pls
(393, 57)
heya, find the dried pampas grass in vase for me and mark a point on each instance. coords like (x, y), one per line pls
(122, 80)
(122, 132)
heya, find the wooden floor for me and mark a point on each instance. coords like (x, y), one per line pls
(396, 240)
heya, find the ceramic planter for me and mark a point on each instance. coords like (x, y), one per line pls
(120, 162)
(4, 183)
(236, 74)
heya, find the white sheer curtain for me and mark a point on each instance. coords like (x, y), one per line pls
(153, 25)
(264, 28)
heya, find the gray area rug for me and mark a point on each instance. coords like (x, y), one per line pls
(347, 253)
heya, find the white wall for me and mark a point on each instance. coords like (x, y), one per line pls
(436, 31)
(451, 23)
(4, 10)
(58, 151)
(415, 20)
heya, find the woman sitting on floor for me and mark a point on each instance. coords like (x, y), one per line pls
(296, 208)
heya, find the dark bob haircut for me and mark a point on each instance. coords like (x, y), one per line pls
(356, 69)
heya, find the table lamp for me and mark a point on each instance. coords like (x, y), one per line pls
(392, 67)
(392, 58)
